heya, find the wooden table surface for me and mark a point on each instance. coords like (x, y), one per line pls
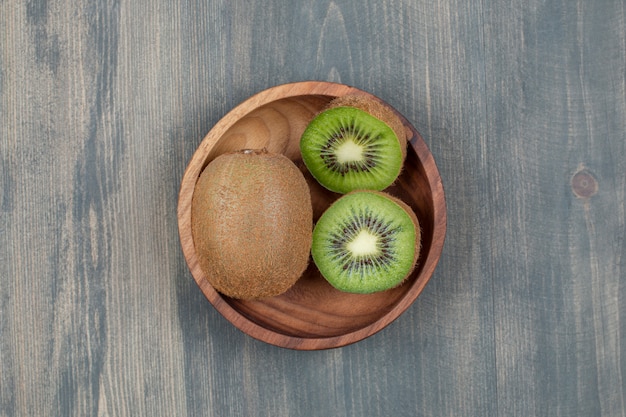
(522, 103)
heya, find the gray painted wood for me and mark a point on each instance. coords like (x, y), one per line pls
(103, 103)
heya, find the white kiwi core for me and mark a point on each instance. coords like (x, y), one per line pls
(363, 244)
(349, 151)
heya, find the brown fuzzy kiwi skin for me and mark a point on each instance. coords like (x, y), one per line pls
(377, 109)
(252, 223)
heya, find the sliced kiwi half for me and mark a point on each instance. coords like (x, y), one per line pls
(366, 241)
(355, 143)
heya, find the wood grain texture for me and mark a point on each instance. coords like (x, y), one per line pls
(102, 105)
(560, 311)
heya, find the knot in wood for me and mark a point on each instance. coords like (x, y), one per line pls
(584, 184)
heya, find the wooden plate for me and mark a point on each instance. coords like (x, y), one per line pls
(312, 314)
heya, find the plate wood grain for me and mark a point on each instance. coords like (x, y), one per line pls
(313, 315)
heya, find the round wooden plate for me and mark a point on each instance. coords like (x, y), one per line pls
(313, 315)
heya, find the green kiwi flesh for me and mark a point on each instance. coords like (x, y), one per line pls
(251, 223)
(347, 148)
(365, 242)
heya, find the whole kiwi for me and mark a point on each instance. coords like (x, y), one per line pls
(252, 223)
